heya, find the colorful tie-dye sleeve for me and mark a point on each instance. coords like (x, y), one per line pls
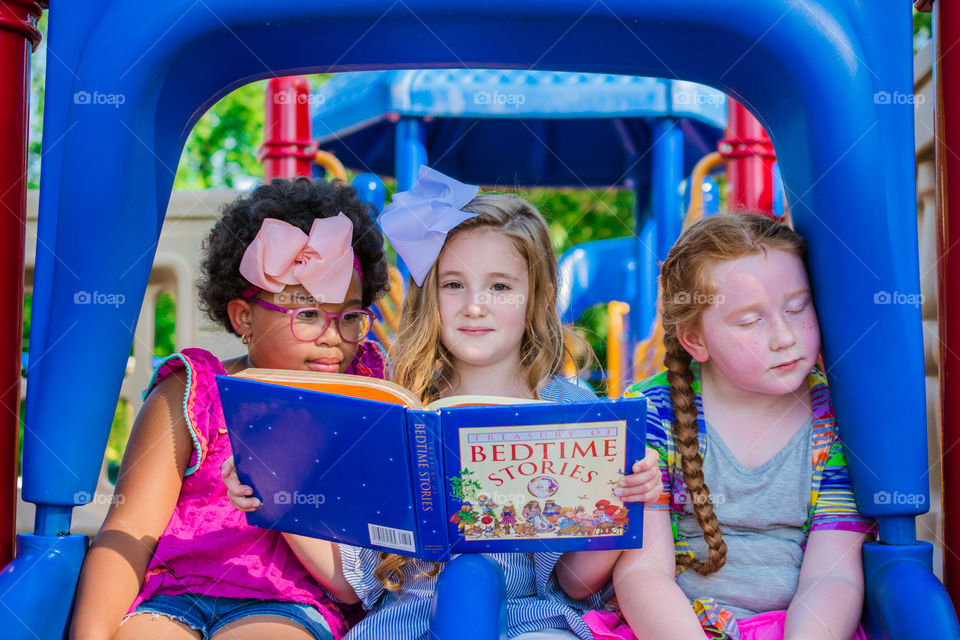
(835, 506)
(658, 439)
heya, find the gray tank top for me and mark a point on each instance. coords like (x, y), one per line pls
(762, 512)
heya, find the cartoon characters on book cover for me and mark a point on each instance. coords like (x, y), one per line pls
(544, 481)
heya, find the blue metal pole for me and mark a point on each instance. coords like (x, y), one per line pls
(648, 271)
(643, 307)
(409, 154)
(711, 197)
(667, 175)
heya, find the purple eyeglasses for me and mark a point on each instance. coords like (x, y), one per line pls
(309, 323)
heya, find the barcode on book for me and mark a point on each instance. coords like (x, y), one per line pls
(393, 538)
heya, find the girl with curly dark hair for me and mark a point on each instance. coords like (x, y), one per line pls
(291, 269)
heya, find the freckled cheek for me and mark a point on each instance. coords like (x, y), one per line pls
(809, 334)
(732, 341)
(739, 352)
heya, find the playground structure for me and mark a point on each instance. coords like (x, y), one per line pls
(558, 129)
(850, 56)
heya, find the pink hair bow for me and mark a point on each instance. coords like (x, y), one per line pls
(417, 221)
(323, 261)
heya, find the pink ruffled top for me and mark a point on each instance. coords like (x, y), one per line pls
(208, 548)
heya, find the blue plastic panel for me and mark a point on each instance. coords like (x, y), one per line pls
(350, 101)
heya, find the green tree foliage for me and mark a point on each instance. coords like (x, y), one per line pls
(922, 30)
(576, 216)
(38, 71)
(165, 330)
(223, 148)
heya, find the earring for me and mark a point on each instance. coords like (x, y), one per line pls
(245, 338)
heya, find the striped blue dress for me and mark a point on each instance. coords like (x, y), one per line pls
(535, 601)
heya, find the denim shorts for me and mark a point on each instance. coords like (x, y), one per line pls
(208, 614)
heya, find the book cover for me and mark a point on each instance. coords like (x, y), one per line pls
(431, 483)
(322, 465)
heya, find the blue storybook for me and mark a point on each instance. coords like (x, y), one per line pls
(359, 461)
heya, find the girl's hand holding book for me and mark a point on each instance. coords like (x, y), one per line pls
(241, 495)
(644, 484)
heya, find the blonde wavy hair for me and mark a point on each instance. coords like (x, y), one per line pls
(421, 362)
(713, 240)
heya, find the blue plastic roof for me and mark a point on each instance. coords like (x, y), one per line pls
(513, 127)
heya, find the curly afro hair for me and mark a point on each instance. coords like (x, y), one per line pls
(298, 202)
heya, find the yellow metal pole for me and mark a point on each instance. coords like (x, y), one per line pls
(615, 360)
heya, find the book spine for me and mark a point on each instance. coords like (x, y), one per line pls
(428, 484)
(636, 450)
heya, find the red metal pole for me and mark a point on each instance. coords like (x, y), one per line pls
(946, 73)
(288, 149)
(749, 158)
(18, 36)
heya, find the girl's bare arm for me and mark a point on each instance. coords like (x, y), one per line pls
(322, 559)
(319, 557)
(147, 490)
(829, 595)
(645, 580)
